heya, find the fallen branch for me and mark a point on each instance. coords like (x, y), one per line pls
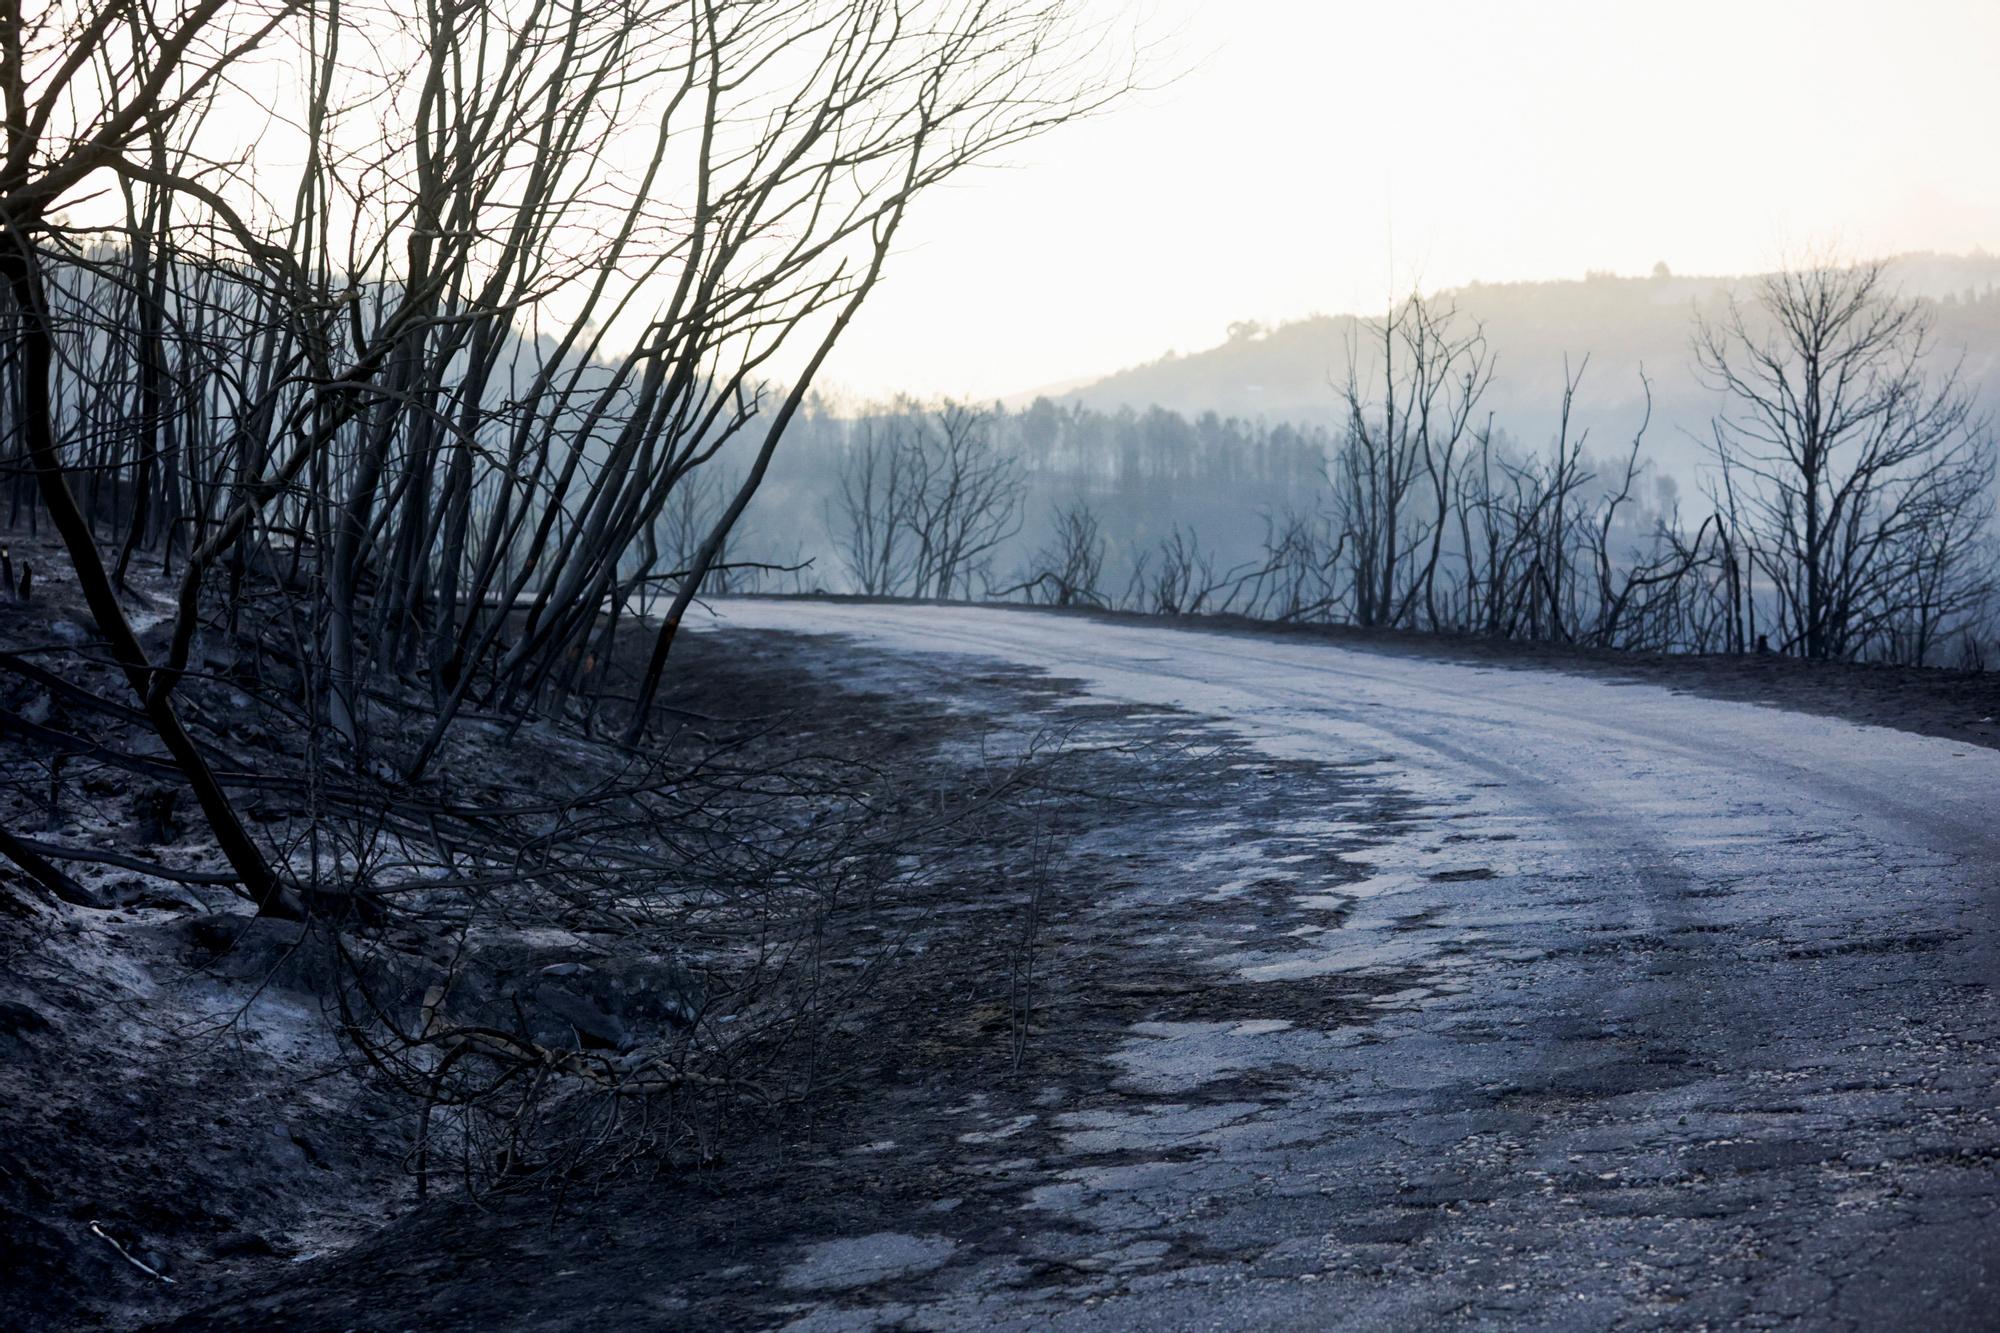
(51, 850)
(27, 855)
(55, 684)
(146, 1268)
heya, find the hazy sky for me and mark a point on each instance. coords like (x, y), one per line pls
(1311, 140)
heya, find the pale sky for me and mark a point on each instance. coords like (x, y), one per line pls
(1471, 139)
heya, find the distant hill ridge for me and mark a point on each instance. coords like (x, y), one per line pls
(1621, 323)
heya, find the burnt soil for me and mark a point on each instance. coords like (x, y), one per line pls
(140, 1102)
(170, 1100)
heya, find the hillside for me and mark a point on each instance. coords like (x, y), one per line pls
(1285, 373)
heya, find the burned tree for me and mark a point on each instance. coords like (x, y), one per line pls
(1393, 476)
(872, 511)
(412, 416)
(926, 499)
(1856, 475)
(1067, 568)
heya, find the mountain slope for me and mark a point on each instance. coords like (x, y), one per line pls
(1621, 324)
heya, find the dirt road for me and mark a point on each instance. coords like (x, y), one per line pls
(1698, 1023)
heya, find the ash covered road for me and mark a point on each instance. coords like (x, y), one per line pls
(1652, 1010)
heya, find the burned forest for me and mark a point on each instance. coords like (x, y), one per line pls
(556, 772)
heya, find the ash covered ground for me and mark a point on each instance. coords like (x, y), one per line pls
(1315, 985)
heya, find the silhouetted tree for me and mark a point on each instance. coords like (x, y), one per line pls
(1855, 472)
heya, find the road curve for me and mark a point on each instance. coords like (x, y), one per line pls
(1696, 1021)
(1636, 755)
